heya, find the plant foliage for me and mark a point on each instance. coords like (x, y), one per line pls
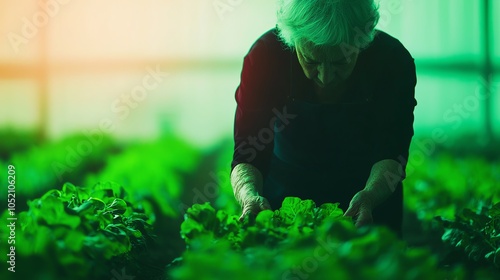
(298, 241)
(444, 184)
(40, 167)
(152, 171)
(76, 230)
(476, 234)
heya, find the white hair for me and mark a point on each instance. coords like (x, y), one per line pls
(327, 22)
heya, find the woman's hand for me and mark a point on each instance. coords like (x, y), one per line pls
(253, 205)
(360, 208)
(384, 177)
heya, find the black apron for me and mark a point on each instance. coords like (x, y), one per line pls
(324, 154)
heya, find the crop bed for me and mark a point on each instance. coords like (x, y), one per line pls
(165, 210)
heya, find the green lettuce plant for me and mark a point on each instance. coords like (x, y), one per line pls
(298, 241)
(443, 184)
(78, 233)
(41, 167)
(152, 171)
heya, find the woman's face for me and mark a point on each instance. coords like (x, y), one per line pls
(326, 66)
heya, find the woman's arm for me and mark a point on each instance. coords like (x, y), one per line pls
(256, 97)
(392, 132)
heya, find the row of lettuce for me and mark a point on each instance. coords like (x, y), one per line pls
(95, 232)
(302, 241)
(439, 183)
(129, 205)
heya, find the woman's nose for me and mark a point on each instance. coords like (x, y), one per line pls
(326, 73)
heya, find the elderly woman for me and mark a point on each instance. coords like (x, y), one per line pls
(325, 112)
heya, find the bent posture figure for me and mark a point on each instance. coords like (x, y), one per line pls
(325, 112)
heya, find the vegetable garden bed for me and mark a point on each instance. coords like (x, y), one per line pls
(128, 214)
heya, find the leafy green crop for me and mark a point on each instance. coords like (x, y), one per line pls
(295, 220)
(15, 140)
(477, 234)
(298, 241)
(152, 171)
(443, 183)
(75, 230)
(50, 164)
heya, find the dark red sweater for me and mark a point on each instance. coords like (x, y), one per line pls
(384, 73)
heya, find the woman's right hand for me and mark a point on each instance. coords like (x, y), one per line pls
(253, 205)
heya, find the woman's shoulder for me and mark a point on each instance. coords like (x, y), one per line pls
(386, 59)
(265, 70)
(269, 37)
(387, 48)
(269, 45)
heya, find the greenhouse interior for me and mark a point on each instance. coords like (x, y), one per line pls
(117, 127)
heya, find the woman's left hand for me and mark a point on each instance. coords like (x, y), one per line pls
(360, 208)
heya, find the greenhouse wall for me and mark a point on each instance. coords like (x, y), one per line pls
(89, 65)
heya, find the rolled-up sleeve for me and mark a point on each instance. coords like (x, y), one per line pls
(393, 115)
